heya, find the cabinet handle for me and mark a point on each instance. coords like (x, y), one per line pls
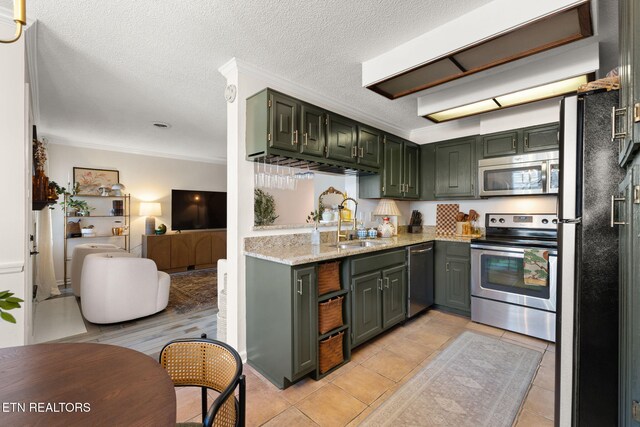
(306, 138)
(513, 143)
(614, 113)
(636, 112)
(447, 266)
(361, 152)
(526, 142)
(615, 199)
(386, 279)
(354, 151)
(636, 195)
(295, 137)
(300, 286)
(379, 284)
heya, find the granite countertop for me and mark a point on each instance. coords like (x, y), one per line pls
(307, 253)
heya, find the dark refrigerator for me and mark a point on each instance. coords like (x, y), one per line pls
(587, 326)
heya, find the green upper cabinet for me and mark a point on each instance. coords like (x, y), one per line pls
(455, 168)
(428, 172)
(392, 170)
(626, 122)
(342, 138)
(283, 121)
(411, 171)
(541, 138)
(312, 130)
(500, 144)
(369, 147)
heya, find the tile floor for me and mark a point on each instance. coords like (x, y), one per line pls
(348, 395)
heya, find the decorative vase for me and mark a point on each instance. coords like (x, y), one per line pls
(386, 229)
(327, 215)
(362, 233)
(373, 233)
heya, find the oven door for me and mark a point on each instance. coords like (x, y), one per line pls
(513, 179)
(497, 273)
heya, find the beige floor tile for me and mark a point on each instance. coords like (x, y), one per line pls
(188, 403)
(390, 365)
(292, 417)
(549, 359)
(523, 344)
(551, 347)
(340, 371)
(365, 351)
(428, 338)
(331, 406)
(485, 329)
(540, 401)
(529, 419)
(411, 350)
(263, 403)
(535, 342)
(254, 379)
(363, 384)
(453, 319)
(545, 378)
(444, 328)
(301, 389)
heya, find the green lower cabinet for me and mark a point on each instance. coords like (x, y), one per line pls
(367, 306)
(452, 277)
(394, 296)
(304, 320)
(282, 320)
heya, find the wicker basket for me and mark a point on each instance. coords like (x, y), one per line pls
(328, 277)
(330, 314)
(331, 352)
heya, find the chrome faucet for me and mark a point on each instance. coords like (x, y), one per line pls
(340, 208)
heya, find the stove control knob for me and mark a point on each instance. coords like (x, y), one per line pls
(545, 221)
(493, 220)
(555, 221)
(501, 220)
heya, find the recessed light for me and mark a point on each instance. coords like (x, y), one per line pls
(161, 125)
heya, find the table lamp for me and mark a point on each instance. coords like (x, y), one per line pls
(150, 210)
(387, 208)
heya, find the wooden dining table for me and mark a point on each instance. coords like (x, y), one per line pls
(83, 384)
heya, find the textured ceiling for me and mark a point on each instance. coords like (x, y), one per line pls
(107, 69)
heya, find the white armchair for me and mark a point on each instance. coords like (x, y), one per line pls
(77, 260)
(117, 288)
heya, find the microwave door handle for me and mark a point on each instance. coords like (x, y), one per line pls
(545, 180)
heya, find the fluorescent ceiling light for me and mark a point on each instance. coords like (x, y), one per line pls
(549, 90)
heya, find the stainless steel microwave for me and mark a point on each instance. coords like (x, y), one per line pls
(527, 174)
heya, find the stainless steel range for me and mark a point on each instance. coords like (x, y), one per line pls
(505, 292)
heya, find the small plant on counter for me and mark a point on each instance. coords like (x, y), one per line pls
(264, 208)
(8, 302)
(316, 216)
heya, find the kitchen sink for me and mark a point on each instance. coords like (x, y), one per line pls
(358, 244)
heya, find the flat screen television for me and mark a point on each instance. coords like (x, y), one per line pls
(198, 210)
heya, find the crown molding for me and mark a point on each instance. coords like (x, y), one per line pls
(310, 95)
(56, 140)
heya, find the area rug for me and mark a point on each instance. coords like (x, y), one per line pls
(193, 291)
(476, 381)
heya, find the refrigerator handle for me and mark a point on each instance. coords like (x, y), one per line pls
(615, 199)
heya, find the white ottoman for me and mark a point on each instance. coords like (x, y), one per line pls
(77, 260)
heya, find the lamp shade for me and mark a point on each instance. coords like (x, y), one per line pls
(387, 207)
(150, 209)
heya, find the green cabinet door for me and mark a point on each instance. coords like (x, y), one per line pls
(411, 171)
(440, 273)
(393, 160)
(625, 125)
(283, 120)
(458, 284)
(342, 138)
(369, 147)
(394, 296)
(428, 172)
(500, 144)
(541, 138)
(455, 168)
(366, 310)
(312, 130)
(305, 325)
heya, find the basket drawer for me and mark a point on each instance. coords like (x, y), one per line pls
(328, 277)
(330, 315)
(331, 352)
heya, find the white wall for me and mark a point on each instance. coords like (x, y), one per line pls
(146, 178)
(13, 173)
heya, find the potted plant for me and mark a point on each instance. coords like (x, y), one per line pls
(8, 302)
(75, 207)
(264, 208)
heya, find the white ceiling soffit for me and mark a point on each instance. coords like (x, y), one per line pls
(568, 62)
(496, 17)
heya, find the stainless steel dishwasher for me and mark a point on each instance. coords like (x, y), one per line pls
(420, 292)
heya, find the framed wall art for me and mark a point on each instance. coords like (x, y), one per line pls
(90, 180)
